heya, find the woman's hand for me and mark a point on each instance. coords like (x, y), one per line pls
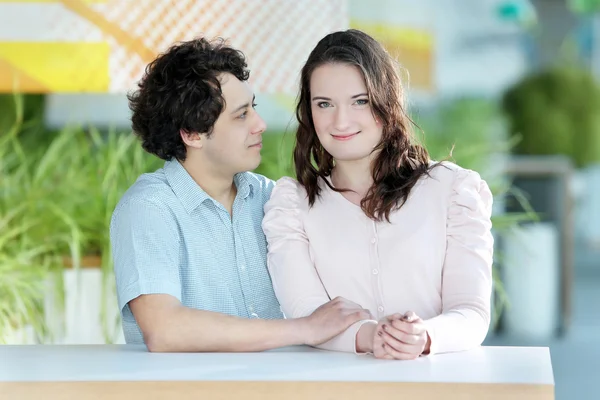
(401, 337)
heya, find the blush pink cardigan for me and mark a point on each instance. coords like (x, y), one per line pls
(433, 258)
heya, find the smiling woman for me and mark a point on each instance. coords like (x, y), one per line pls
(372, 219)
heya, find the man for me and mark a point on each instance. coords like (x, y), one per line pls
(188, 248)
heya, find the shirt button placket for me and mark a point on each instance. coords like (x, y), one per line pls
(243, 274)
(375, 273)
(251, 311)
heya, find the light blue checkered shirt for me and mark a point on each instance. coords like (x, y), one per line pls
(168, 236)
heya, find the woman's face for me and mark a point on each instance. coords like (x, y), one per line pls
(342, 115)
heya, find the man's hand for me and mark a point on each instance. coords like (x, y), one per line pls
(401, 337)
(331, 319)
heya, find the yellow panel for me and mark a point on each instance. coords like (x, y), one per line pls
(53, 1)
(418, 39)
(54, 67)
(414, 49)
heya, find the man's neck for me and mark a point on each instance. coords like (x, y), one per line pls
(217, 185)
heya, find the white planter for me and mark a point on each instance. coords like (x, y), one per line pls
(531, 270)
(588, 206)
(24, 335)
(81, 321)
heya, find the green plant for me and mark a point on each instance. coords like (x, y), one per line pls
(23, 268)
(276, 153)
(69, 181)
(25, 256)
(555, 112)
(584, 6)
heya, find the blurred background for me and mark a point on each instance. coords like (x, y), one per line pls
(509, 88)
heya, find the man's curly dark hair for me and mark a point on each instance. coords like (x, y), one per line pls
(180, 90)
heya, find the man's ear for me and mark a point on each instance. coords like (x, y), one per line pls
(192, 139)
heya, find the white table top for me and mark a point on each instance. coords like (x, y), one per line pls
(51, 363)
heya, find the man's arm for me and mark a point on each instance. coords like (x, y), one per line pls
(145, 243)
(168, 326)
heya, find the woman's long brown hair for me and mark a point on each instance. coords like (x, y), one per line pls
(399, 162)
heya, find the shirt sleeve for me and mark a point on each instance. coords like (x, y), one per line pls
(295, 280)
(145, 249)
(467, 270)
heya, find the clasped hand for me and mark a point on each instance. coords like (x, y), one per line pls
(401, 337)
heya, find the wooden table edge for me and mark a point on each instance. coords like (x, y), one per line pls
(267, 390)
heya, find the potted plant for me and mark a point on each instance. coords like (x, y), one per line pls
(70, 181)
(25, 257)
(23, 269)
(553, 113)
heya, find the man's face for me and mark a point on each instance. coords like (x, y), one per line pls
(236, 141)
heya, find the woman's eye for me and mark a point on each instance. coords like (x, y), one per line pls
(323, 104)
(362, 102)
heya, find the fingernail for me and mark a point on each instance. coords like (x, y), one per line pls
(384, 327)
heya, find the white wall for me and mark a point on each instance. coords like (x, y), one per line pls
(476, 52)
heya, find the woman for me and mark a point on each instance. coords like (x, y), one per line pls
(372, 219)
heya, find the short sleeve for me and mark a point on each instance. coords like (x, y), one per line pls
(265, 187)
(145, 248)
(467, 271)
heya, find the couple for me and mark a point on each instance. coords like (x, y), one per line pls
(374, 249)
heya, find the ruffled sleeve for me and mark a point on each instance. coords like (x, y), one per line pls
(467, 271)
(295, 280)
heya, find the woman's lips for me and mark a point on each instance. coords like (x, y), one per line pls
(346, 136)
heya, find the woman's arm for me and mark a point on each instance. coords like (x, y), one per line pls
(295, 280)
(467, 271)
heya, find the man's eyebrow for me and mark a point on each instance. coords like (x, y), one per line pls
(328, 99)
(244, 106)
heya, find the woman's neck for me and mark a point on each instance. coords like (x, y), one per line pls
(353, 175)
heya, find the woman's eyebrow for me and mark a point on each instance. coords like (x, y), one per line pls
(328, 99)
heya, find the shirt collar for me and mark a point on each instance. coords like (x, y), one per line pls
(243, 184)
(191, 194)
